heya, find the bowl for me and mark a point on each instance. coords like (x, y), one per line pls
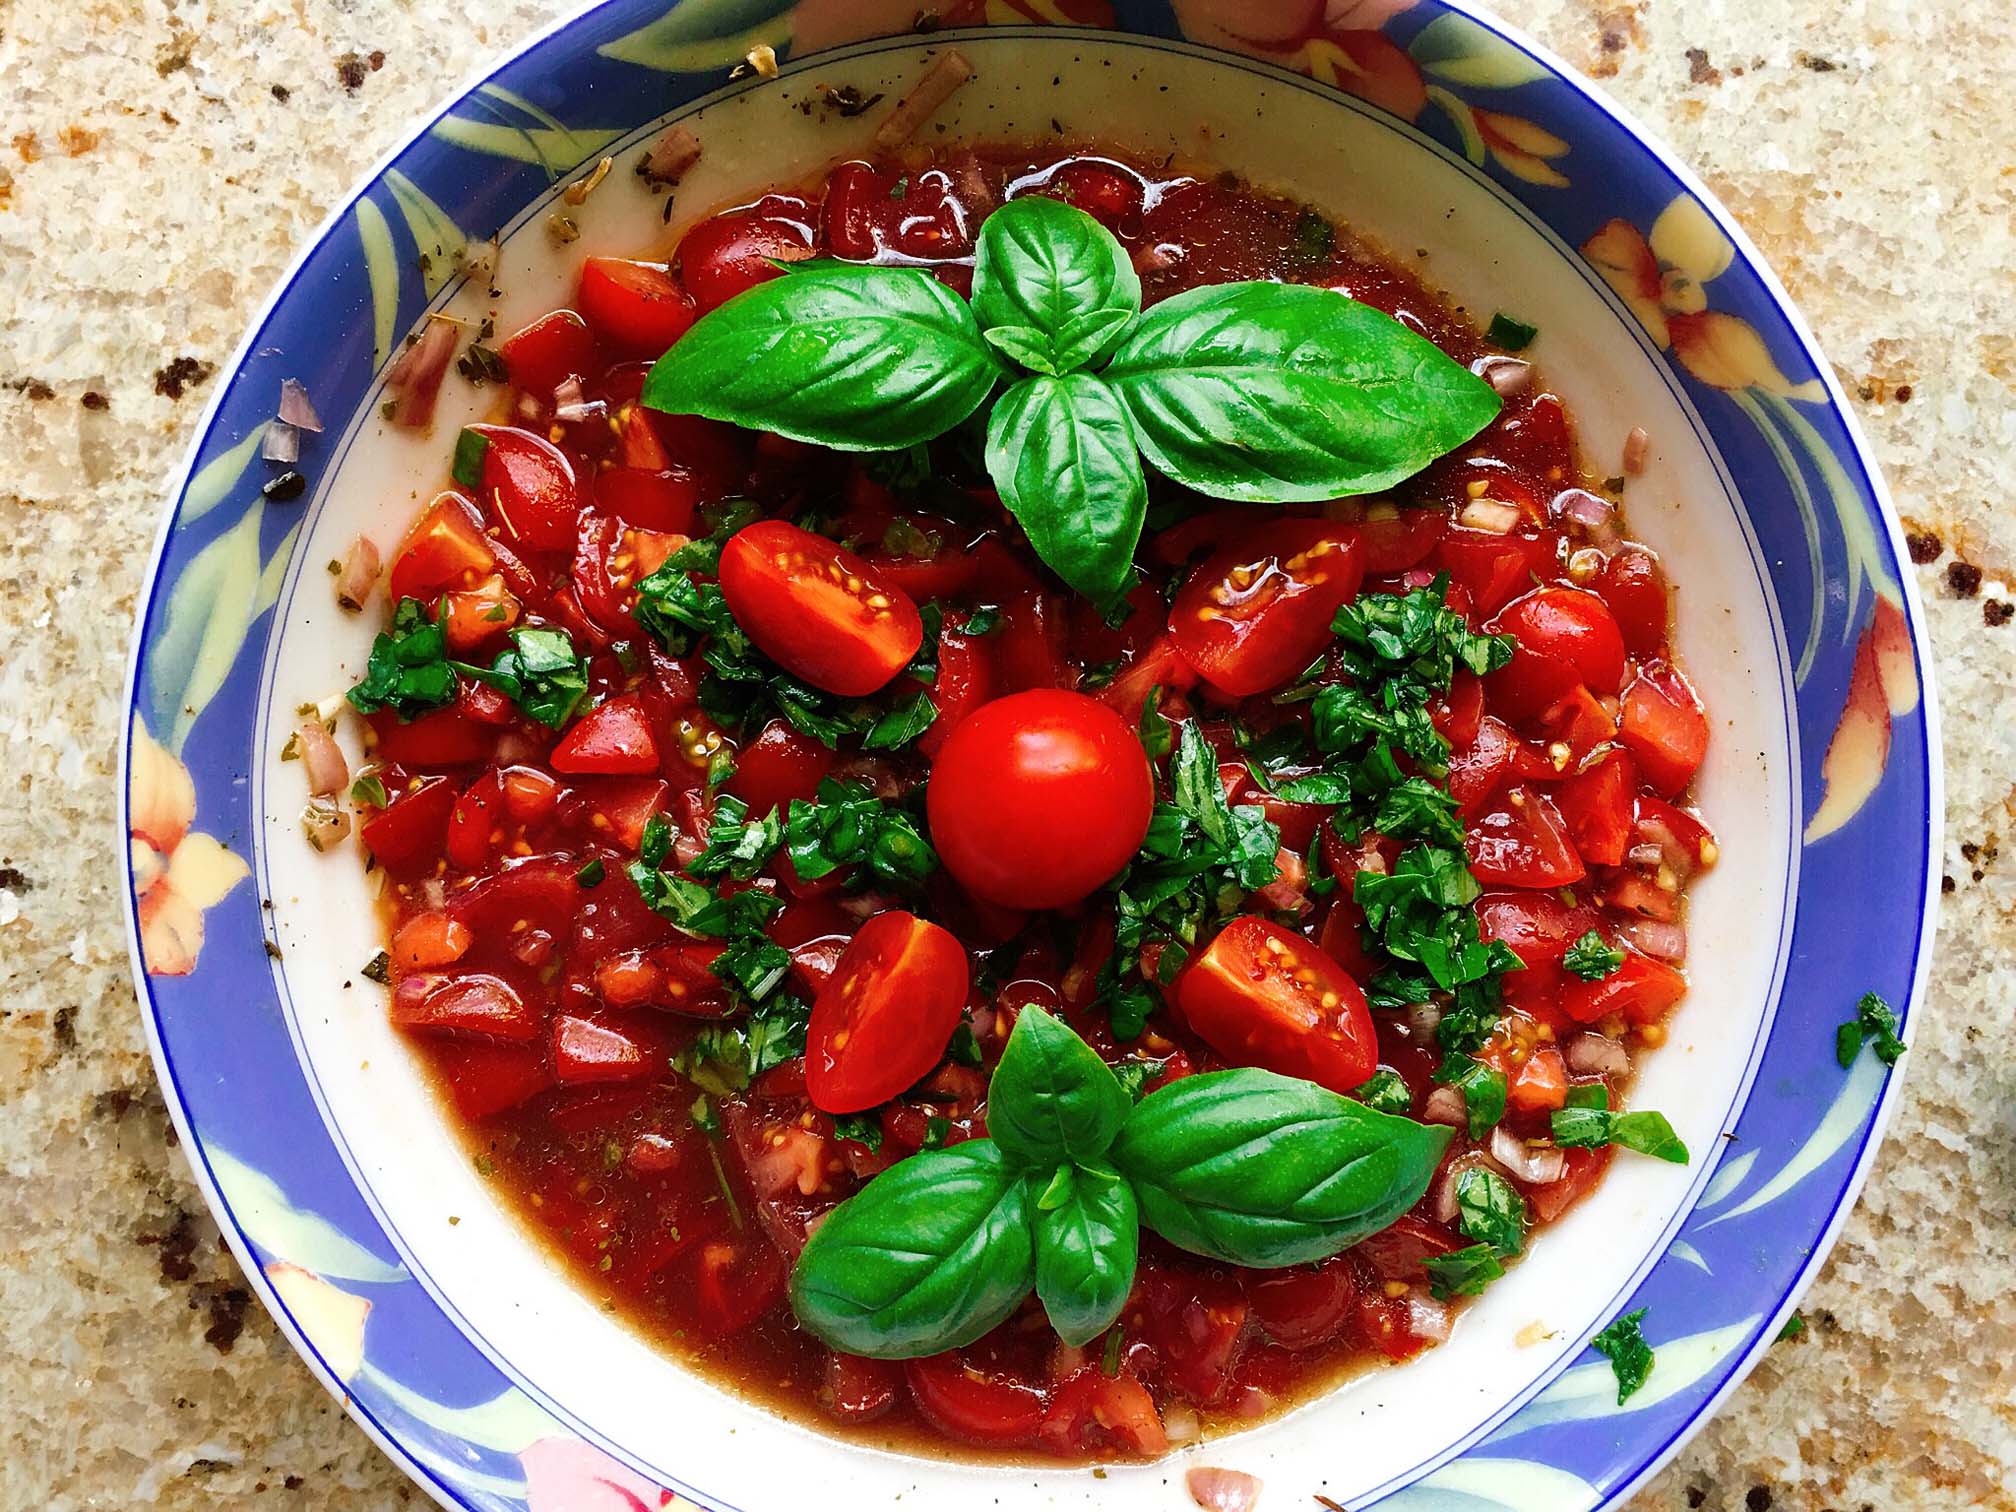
(356, 1212)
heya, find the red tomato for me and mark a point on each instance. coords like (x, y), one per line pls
(885, 1016)
(1029, 646)
(1642, 990)
(1258, 612)
(474, 615)
(1562, 638)
(662, 499)
(1579, 720)
(1393, 543)
(634, 306)
(485, 1079)
(1303, 1307)
(1580, 1173)
(1460, 713)
(589, 1052)
(475, 1003)
(1038, 798)
(440, 737)
(1522, 842)
(738, 1281)
(1633, 584)
(1262, 996)
(965, 682)
(406, 837)
(1539, 1083)
(1341, 936)
(728, 254)
(445, 549)
(1110, 196)
(866, 213)
(981, 1407)
(1665, 727)
(1096, 1414)
(529, 485)
(817, 609)
(429, 941)
(1599, 806)
(1494, 569)
(1196, 1323)
(554, 348)
(1399, 1252)
(1538, 926)
(474, 821)
(613, 738)
(858, 1390)
(1160, 666)
(537, 891)
(780, 764)
(1497, 756)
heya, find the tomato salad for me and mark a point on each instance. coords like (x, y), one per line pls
(812, 811)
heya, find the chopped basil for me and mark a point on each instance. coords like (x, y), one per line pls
(752, 965)
(964, 1048)
(1592, 957)
(936, 1130)
(1483, 1087)
(1421, 914)
(1134, 1075)
(1511, 334)
(591, 873)
(697, 909)
(1386, 1091)
(863, 1129)
(369, 789)
(378, 969)
(1794, 1327)
(1490, 1210)
(724, 1058)
(1464, 1272)
(1157, 734)
(539, 672)
(655, 843)
(982, 621)
(1874, 1024)
(1645, 1131)
(1623, 1343)
(408, 670)
(908, 719)
(737, 846)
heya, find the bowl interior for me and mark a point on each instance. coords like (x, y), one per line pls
(1475, 241)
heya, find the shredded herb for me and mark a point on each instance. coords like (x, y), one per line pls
(864, 1129)
(1490, 1210)
(591, 873)
(1483, 1087)
(1623, 1343)
(1135, 1075)
(1874, 1024)
(408, 670)
(369, 789)
(1645, 1131)
(1386, 1092)
(1794, 1327)
(846, 826)
(539, 672)
(723, 1058)
(1511, 334)
(1462, 1273)
(901, 725)
(737, 846)
(378, 969)
(1592, 957)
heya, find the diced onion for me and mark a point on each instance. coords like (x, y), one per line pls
(1597, 1055)
(1647, 856)
(1660, 938)
(671, 155)
(1179, 1422)
(414, 379)
(1508, 376)
(280, 442)
(1494, 516)
(295, 407)
(1637, 447)
(359, 575)
(1445, 1105)
(324, 823)
(1427, 1319)
(1217, 1490)
(322, 759)
(1524, 1161)
(1592, 514)
(941, 80)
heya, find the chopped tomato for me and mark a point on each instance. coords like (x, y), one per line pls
(1479, 771)
(737, 1281)
(634, 306)
(1161, 665)
(440, 737)
(529, 794)
(1263, 996)
(1393, 543)
(1257, 613)
(627, 804)
(885, 1016)
(1400, 1252)
(445, 549)
(867, 212)
(613, 737)
(965, 681)
(1633, 584)
(1581, 1170)
(1597, 805)
(428, 941)
(479, 613)
(484, 1079)
(1109, 196)
(817, 609)
(858, 1390)
(1303, 1307)
(780, 764)
(407, 834)
(1460, 714)
(473, 1003)
(1522, 842)
(1495, 569)
(726, 255)
(526, 482)
(1093, 1413)
(1642, 990)
(1539, 1082)
(1029, 646)
(1196, 1323)
(1563, 638)
(980, 1407)
(548, 352)
(584, 1051)
(474, 824)
(1665, 727)
(650, 498)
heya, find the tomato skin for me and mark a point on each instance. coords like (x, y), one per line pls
(1095, 1414)
(446, 548)
(979, 1408)
(1495, 569)
(406, 836)
(613, 738)
(585, 1052)
(472, 1003)
(729, 254)
(736, 1283)
(555, 347)
(966, 680)
(1563, 638)
(1539, 928)
(780, 764)
(1246, 997)
(1109, 196)
(634, 306)
(1396, 542)
(1478, 771)
(884, 1017)
(529, 484)
(1196, 1323)
(440, 737)
(1161, 665)
(1029, 646)
(1258, 612)
(1522, 843)
(1038, 798)
(1633, 584)
(1599, 806)
(858, 1390)
(1665, 727)
(1642, 990)
(1303, 1307)
(474, 819)
(485, 1079)
(817, 609)
(662, 499)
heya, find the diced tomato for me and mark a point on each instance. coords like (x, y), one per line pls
(1581, 1170)
(529, 794)
(966, 680)
(584, 1051)
(473, 1003)
(1029, 646)
(478, 614)
(1563, 638)
(1399, 1252)
(634, 306)
(1196, 1323)
(1341, 935)
(780, 764)
(663, 499)
(1539, 1083)
(554, 348)
(486, 1079)
(1665, 727)
(1522, 842)
(817, 609)
(1296, 821)
(537, 892)
(979, 1407)
(1257, 613)
(524, 481)
(1109, 196)
(613, 738)
(1461, 713)
(1386, 1325)
(431, 940)
(1160, 666)
(627, 803)
(1662, 824)
(474, 824)
(1393, 543)
(406, 836)
(737, 1281)
(1092, 1413)
(1635, 893)
(1262, 996)
(1597, 804)
(1642, 990)
(1633, 584)
(446, 548)
(726, 255)
(1495, 569)
(483, 704)
(1538, 926)
(1303, 1307)
(858, 1390)
(885, 1017)
(867, 212)
(1580, 721)
(1497, 757)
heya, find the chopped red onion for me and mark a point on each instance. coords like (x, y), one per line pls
(1469, 1160)
(1508, 376)
(569, 405)
(1646, 856)
(322, 759)
(671, 155)
(1669, 847)
(1179, 1422)
(1445, 1105)
(414, 379)
(1217, 1490)
(1597, 1055)
(296, 408)
(324, 822)
(1637, 447)
(1539, 1166)
(433, 892)
(865, 905)
(1592, 512)
(941, 80)
(281, 442)
(1660, 938)
(1423, 1019)
(1428, 1319)
(359, 574)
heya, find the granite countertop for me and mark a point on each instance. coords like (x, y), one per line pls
(167, 160)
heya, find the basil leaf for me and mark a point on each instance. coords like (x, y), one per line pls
(1484, 1090)
(1489, 1209)
(1385, 1092)
(1462, 1273)
(408, 672)
(1023, 344)
(1043, 267)
(1275, 392)
(1061, 451)
(854, 357)
(1257, 1169)
(1086, 1248)
(1645, 1131)
(1592, 957)
(1052, 1098)
(928, 1256)
(903, 723)
(1623, 1344)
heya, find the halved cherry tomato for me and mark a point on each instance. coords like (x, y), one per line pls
(1633, 584)
(1642, 990)
(1258, 612)
(612, 738)
(1522, 842)
(885, 1016)
(1303, 1307)
(473, 1003)
(1109, 194)
(406, 836)
(1562, 638)
(737, 1281)
(634, 306)
(1494, 569)
(728, 254)
(1093, 1413)
(1160, 666)
(1495, 757)
(446, 548)
(1665, 727)
(858, 1390)
(1037, 798)
(817, 609)
(1400, 1252)
(780, 764)
(866, 212)
(485, 1079)
(536, 892)
(981, 1407)
(1029, 646)
(529, 485)
(1262, 996)
(474, 821)
(1580, 721)
(554, 348)
(1460, 713)
(1597, 803)
(1196, 1323)
(440, 737)
(584, 1051)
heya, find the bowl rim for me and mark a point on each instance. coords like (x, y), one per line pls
(1587, 95)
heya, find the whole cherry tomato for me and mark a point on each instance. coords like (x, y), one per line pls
(1261, 995)
(1039, 797)
(817, 609)
(884, 1017)
(1258, 612)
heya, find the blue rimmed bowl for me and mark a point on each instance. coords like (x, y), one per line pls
(357, 1215)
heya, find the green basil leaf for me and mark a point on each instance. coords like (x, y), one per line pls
(1484, 1090)
(1592, 957)
(1274, 392)
(1045, 266)
(904, 722)
(928, 1256)
(1645, 1131)
(1623, 1344)
(1026, 345)
(1462, 1273)
(1086, 1248)
(1061, 451)
(855, 357)
(471, 448)
(1490, 1209)
(1052, 1098)
(1257, 1169)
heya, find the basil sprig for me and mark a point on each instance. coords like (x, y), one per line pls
(1255, 391)
(1242, 1166)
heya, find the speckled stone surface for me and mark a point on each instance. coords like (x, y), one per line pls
(167, 158)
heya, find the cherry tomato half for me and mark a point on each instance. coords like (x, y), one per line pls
(1563, 638)
(529, 485)
(634, 306)
(446, 548)
(1665, 727)
(884, 1017)
(555, 347)
(1258, 612)
(1039, 797)
(981, 1407)
(817, 609)
(727, 254)
(1261, 995)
